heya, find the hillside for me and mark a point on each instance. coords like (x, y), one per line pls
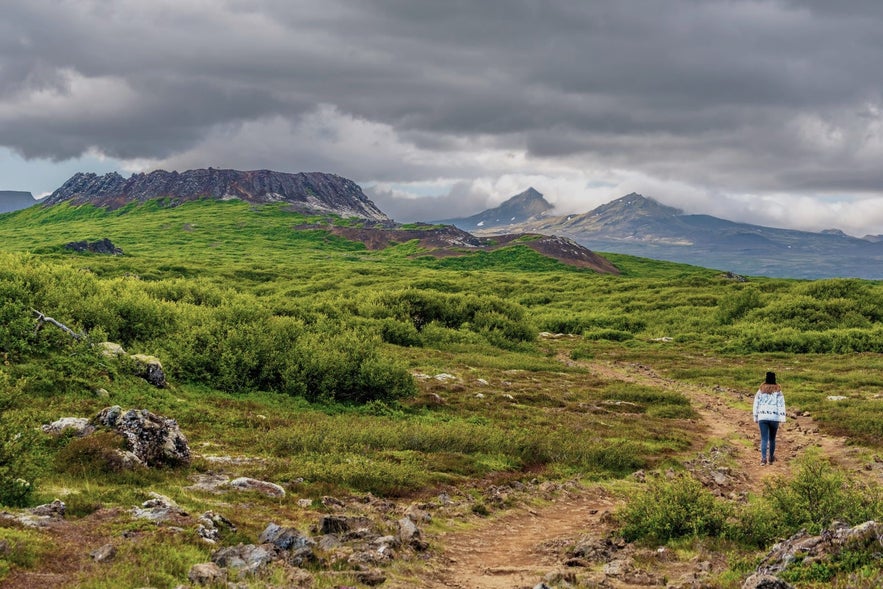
(362, 408)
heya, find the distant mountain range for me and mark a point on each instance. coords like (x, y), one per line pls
(313, 192)
(641, 226)
(633, 224)
(14, 200)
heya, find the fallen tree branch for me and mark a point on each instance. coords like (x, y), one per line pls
(43, 319)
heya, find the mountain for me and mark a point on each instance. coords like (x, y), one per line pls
(520, 208)
(641, 226)
(13, 200)
(311, 192)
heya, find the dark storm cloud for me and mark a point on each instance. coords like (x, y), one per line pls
(738, 96)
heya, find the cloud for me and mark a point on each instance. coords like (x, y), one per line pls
(716, 105)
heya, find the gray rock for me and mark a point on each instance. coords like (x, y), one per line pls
(158, 508)
(155, 440)
(244, 559)
(285, 538)
(210, 526)
(53, 510)
(341, 524)
(80, 426)
(410, 535)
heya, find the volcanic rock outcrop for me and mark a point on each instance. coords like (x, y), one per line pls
(312, 192)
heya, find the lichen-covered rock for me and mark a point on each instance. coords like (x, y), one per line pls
(155, 440)
(244, 559)
(284, 538)
(54, 510)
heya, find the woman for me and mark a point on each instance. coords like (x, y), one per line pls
(769, 412)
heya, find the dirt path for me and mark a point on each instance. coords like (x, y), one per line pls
(519, 548)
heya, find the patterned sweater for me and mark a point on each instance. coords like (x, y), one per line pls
(769, 403)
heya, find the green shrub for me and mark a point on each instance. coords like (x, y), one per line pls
(399, 333)
(16, 443)
(670, 508)
(818, 494)
(736, 305)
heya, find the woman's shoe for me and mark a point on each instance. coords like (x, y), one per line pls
(763, 462)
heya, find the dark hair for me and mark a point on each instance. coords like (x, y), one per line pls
(770, 378)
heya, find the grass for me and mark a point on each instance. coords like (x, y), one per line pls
(259, 323)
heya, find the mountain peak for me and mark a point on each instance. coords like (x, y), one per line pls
(517, 209)
(309, 192)
(634, 204)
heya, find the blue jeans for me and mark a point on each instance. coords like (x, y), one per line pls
(768, 430)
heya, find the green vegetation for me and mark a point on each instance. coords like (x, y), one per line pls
(338, 369)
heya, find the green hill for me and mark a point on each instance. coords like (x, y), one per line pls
(330, 368)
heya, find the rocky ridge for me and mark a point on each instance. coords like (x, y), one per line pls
(308, 192)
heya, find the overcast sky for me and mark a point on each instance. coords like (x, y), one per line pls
(760, 111)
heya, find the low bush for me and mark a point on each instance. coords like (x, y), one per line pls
(817, 495)
(672, 507)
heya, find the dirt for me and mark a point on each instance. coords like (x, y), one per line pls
(525, 546)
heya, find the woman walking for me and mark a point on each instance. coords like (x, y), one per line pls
(769, 412)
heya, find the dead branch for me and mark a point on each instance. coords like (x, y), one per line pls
(43, 319)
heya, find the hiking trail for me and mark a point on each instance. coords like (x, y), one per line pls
(522, 546)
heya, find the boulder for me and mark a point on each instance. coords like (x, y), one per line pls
(298, 546)
(103, 247)
(158, 508)
(409, 534)
(342, 524)
(54, 510)
(244, 559)
(284, 538)
(155, 440)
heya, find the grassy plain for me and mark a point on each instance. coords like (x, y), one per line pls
(332, 369)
